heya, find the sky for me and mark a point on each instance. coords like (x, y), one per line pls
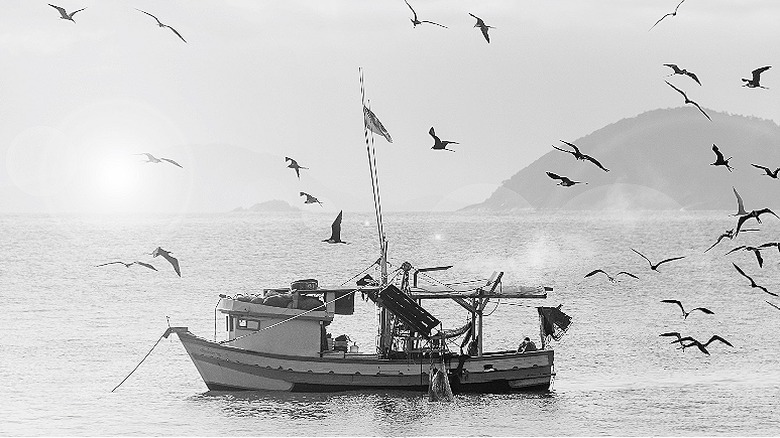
(258, 80)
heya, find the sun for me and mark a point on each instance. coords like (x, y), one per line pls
(116, 176)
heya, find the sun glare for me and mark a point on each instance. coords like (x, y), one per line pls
(116, 177)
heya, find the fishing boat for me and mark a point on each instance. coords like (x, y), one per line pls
(278, 339)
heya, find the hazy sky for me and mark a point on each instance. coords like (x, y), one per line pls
(260, 80)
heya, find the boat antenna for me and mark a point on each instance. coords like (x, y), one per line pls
(371, 154)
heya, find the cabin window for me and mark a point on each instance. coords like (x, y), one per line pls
(248, 324)
(227, 323)
(230, 319)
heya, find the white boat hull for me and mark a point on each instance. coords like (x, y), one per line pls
(224, 367)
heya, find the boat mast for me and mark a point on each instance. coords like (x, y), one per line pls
(384, 340)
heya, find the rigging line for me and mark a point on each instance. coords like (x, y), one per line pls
(356, 276)
(142, 361)
(366, 135)
(444, 284)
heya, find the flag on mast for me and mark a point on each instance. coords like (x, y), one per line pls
(374, 125)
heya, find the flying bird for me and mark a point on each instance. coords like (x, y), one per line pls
(167, 256)
(127, 265)
(753, 214)
(754, 82)
(294, 165)
(64, 15)
(685, 314)
(152, 159)
(674, 334)
(670, 14)
(335, 230)
(580, 156)
(719, 160)
(438, 144)
(756, 251)
(483, 27)
(740, 204)
(689, 100)
(682, 71)
(566, 182)
(769, 172)
(609, 277)
(752, 282)
(654, 267)
(727, 234)
(161, 24)
(699, 345)
(310, 199)
(415, 21)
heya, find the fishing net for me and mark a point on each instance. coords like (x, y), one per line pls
(439, 386)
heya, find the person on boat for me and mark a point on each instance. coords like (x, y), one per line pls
(526, 345)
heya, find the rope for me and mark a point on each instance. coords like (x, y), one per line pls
(142, 361)
(360, 273)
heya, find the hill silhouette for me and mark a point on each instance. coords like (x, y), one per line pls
(657, 160)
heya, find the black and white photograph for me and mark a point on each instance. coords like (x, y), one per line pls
(390, 218)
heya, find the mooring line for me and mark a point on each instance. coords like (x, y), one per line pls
(142, 361)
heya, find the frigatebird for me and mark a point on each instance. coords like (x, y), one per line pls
(64, 15)
(685, 314)
(753, 214)
(752, 282)
(310, 199)
(152, 159)
(754, 82)
(719, 160)
(566, 182)
(438, 144)
(609, 277)
(415, 21)
(727, 234)
(670, 14)
(682, 71)
(769, 172)
(756, 251)
(654, 267)
(674, 334)
(127, 265)
(699, 345)
(167, 256)
(294, 165)
(483, 27)
(689, 100)
(580, 156)
(161, 24)
(335, 230)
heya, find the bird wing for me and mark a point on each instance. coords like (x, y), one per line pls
(659, 20)
(564, 150)
(63, 12)
(554, 176)
(431, 22)
(74, 12)
(669, 260)
(335, 228)
(594, 161)
(702, 111)
(173, 261)
(674, 67)
(735, 249)
(678, 6)
(627, 273)
(741, 221)
(171, 161)
(766, 210)
(479, 20)
(760, 259)
(433, 134)
(752, 283)
(718, 338)
(721, 237)
(410, 7)
(718, 155)
(484, 30)
(573, 146)
(765, 169)
(740, 204)
(678, 90)
(303, 194)
(676, 334)
(176, 32)
(643, 256)
(111, 263)
(146, 265)
(155, 18)
(693, 76)
(594, 272)
(773, 305)
(703, 310)
(757, 72)
(675, 302)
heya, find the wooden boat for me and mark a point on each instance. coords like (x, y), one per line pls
(278, 339)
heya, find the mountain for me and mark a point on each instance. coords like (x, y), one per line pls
(657, 160)
(269, 206)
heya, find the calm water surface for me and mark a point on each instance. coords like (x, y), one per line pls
(70, 331)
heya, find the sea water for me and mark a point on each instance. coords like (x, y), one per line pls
(70, 331)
